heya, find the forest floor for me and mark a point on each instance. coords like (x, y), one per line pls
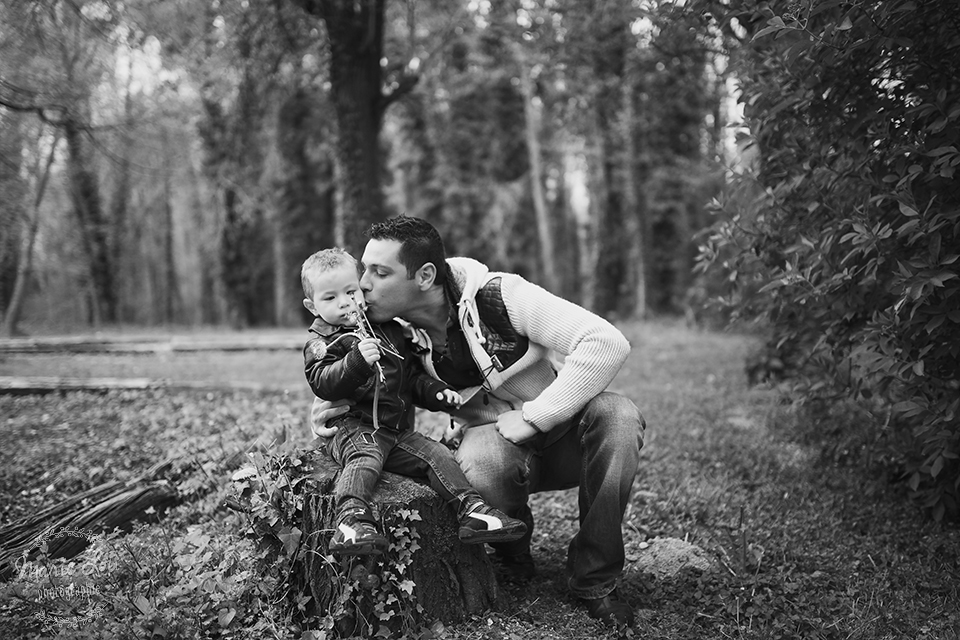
(802, 508)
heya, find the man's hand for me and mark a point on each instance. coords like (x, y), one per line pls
(322, 411)
(514, 428)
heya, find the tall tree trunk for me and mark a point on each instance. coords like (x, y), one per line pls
(94, 230)
(584, 198)
(355, 34)
(283, 315)
(549, 270)
(25, 261)
(171, 287)
(576, 207)
(613, 283)
(634, 205)
(121, 193)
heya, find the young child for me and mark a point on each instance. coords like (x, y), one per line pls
(383, 377)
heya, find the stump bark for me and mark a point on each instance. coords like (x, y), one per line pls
(452, 580)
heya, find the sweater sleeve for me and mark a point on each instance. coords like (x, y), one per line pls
(595, 350)
(335, 371)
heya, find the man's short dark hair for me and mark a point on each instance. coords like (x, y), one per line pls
(420, 243)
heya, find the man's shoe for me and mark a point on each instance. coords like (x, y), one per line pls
(517, 567)
(482, 523)
(610, 608)
(357, 535)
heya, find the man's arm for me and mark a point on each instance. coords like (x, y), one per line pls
(595, 350)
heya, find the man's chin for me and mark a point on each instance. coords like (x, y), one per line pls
(373, 314)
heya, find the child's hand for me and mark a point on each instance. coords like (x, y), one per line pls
(369, 349)
(451, 397)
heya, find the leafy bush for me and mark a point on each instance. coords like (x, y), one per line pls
(849, 239)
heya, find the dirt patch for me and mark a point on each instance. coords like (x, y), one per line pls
(665, 557)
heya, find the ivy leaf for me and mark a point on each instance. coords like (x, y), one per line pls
(290, 539)
(226, 617)
(143, 605)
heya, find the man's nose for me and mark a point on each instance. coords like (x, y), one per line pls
(365, 283)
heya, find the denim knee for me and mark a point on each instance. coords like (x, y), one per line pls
(618, 417)
(497, 469)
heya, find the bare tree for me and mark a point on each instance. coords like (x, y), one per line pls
(39, 176)
(57, 61)
(355, 34)
(532, 115)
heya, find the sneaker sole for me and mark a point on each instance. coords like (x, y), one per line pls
(507, 534)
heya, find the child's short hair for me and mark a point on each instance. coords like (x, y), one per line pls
(320, 262)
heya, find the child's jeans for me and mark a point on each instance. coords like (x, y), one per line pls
(364, 454)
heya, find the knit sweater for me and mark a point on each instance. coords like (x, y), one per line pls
(594, 351)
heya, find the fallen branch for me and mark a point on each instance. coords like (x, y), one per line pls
(146, 345)
(10, 385)
(65, 526)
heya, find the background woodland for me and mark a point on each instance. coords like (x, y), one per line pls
(174, 162)
(788, 163)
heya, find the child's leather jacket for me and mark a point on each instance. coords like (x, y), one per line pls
(335, 370)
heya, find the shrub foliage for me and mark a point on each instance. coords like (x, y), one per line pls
(845, 232)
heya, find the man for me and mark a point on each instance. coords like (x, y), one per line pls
(527, 427)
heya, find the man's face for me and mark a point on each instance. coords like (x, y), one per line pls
(387, 290)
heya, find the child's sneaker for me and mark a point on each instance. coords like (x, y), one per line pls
(482, 523)
(357, 535)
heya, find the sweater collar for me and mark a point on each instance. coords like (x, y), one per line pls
(464, 279)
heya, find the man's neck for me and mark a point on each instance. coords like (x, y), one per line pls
(431, 316)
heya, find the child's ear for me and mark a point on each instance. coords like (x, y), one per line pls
(308, 303)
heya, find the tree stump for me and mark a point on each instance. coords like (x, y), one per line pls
(451, 580)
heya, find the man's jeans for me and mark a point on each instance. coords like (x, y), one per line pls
(599, 453)
(364, 454)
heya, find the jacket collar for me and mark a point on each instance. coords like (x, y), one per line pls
(324, 329)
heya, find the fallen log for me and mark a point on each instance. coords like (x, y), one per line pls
(451, 580)
(67, 526)
(12, 385)
(147, 345)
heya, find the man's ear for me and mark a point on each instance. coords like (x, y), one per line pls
(426, 276)
(308, 303)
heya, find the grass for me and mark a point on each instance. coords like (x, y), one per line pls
(801, 506)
